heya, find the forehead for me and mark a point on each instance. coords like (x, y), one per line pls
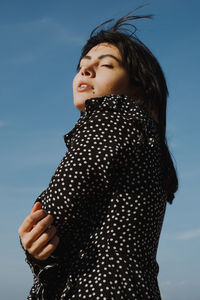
(104, 48)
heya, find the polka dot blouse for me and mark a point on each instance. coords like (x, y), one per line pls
(108, 205)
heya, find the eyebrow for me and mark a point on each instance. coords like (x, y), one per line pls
(102, 56)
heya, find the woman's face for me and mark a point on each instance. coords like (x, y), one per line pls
(101, 73)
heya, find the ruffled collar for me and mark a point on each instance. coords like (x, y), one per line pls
(116, 102)
(122, 103)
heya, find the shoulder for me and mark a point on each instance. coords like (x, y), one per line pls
(124, 105)
(122, 109)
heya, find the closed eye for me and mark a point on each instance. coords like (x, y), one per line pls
(104, 65)
(108, 66)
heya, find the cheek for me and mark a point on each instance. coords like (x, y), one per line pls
(117, 85)
(74, 83)
(76, 78)
(108, 84)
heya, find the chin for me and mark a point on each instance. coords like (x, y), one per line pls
(80, 105)
(79, 101)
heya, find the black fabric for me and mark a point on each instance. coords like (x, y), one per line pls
(108, 204)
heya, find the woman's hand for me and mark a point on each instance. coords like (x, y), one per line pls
(38, 235)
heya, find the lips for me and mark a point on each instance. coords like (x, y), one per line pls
(83, 86)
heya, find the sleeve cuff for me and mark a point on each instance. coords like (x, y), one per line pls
(41, 268)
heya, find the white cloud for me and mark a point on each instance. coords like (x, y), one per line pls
(24, 59)
(46, 27)
(35, 39)
(182, 283)
(165, 283)
(2, 124)
(187, 234)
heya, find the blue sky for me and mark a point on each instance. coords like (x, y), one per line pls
(40, 46)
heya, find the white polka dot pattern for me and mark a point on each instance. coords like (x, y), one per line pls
(108, 204)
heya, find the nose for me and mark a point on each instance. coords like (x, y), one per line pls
(87, 71)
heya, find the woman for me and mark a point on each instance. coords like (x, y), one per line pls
(94, 232)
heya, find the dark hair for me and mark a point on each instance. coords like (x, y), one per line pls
(148, 79)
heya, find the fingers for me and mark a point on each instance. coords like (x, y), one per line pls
(31, 220)
(42, 240)
(30, 237)
(38, 235)
(48, 249)
(36, 207)
(41, 227)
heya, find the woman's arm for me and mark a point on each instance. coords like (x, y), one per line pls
(85, 180)
(86, 175)
(87, 172)
(38, 234)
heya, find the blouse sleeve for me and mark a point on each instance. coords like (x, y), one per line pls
(88, 169)
(87, 172)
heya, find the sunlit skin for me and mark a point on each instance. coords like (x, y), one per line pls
(38, 234)
(103, 73)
